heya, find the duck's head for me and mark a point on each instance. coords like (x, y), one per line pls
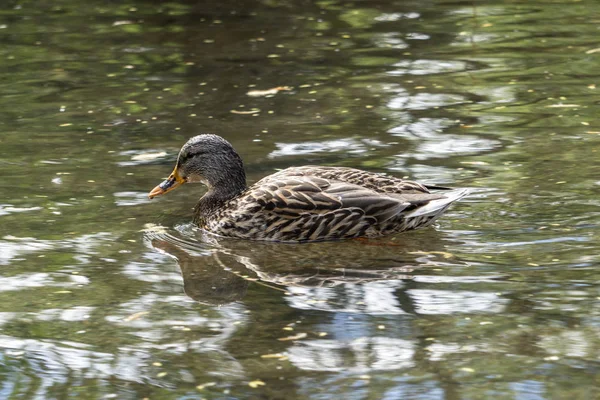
(208, 159)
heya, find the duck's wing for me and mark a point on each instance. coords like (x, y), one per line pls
(368, 180)
(311, 208)
(295, 196)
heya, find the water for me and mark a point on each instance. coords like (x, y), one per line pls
(105, 294)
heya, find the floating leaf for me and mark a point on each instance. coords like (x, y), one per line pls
(294, 337)
(563, 106)
(256, 383)
(273, 355)
(205, 385)
(267, 92)
(135, 316)
(253, 111)
(474, 163)
(148, 156)
(444, 254)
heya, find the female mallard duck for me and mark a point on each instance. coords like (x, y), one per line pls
(299, 204)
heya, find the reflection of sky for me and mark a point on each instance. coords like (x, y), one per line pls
(453, 145)
(402, 100)
(397, 16)
(529, 389)
(469, 39)
(421, 128)
(426, 173)
(427, 390)
(56, 361)
(131, 198)
(571, 343)
(355, 356)
(6, 209)
(12, 247)
(359, 342)
(156, 320)
(77, 313)
(368, 298)
(141, 157)
(431, 301)
(390, 40)
(380, 298)
(293, 149)
(158, 329)
(426, 67)
(433, 143)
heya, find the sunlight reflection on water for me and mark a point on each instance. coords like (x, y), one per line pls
(104, 294)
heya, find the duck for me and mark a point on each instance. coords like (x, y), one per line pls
(300, 204)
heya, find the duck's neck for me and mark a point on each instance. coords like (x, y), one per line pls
(222, 188)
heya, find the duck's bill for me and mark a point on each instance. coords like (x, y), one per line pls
(174, 180)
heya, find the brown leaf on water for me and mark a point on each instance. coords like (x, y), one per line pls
(254, 111)
(294, 337)
(135, 316)
(123, 22)
(205, 385)
(267, 92)
(474, 163)
(256, 383)
(274, 355)
(148, 156)
(444, 254)
(563, 106)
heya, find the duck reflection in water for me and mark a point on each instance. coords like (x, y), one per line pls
(219, 270)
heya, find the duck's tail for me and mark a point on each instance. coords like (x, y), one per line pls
(438, 206)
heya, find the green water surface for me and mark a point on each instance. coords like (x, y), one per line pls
(106, 294)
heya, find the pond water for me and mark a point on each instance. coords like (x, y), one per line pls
(105, 294)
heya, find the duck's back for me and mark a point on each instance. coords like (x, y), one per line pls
(369, 180)
(314, 203)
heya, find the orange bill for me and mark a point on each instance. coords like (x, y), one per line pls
(167, 185)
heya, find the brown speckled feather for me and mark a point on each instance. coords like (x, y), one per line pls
(369, 180)
(323, 203)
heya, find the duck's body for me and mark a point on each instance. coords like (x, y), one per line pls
(300, 204)
(315, 203)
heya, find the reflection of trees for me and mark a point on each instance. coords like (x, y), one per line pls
(348, 290)
(60, 324)
(372, 317)
(399, 90)
(369, 299)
